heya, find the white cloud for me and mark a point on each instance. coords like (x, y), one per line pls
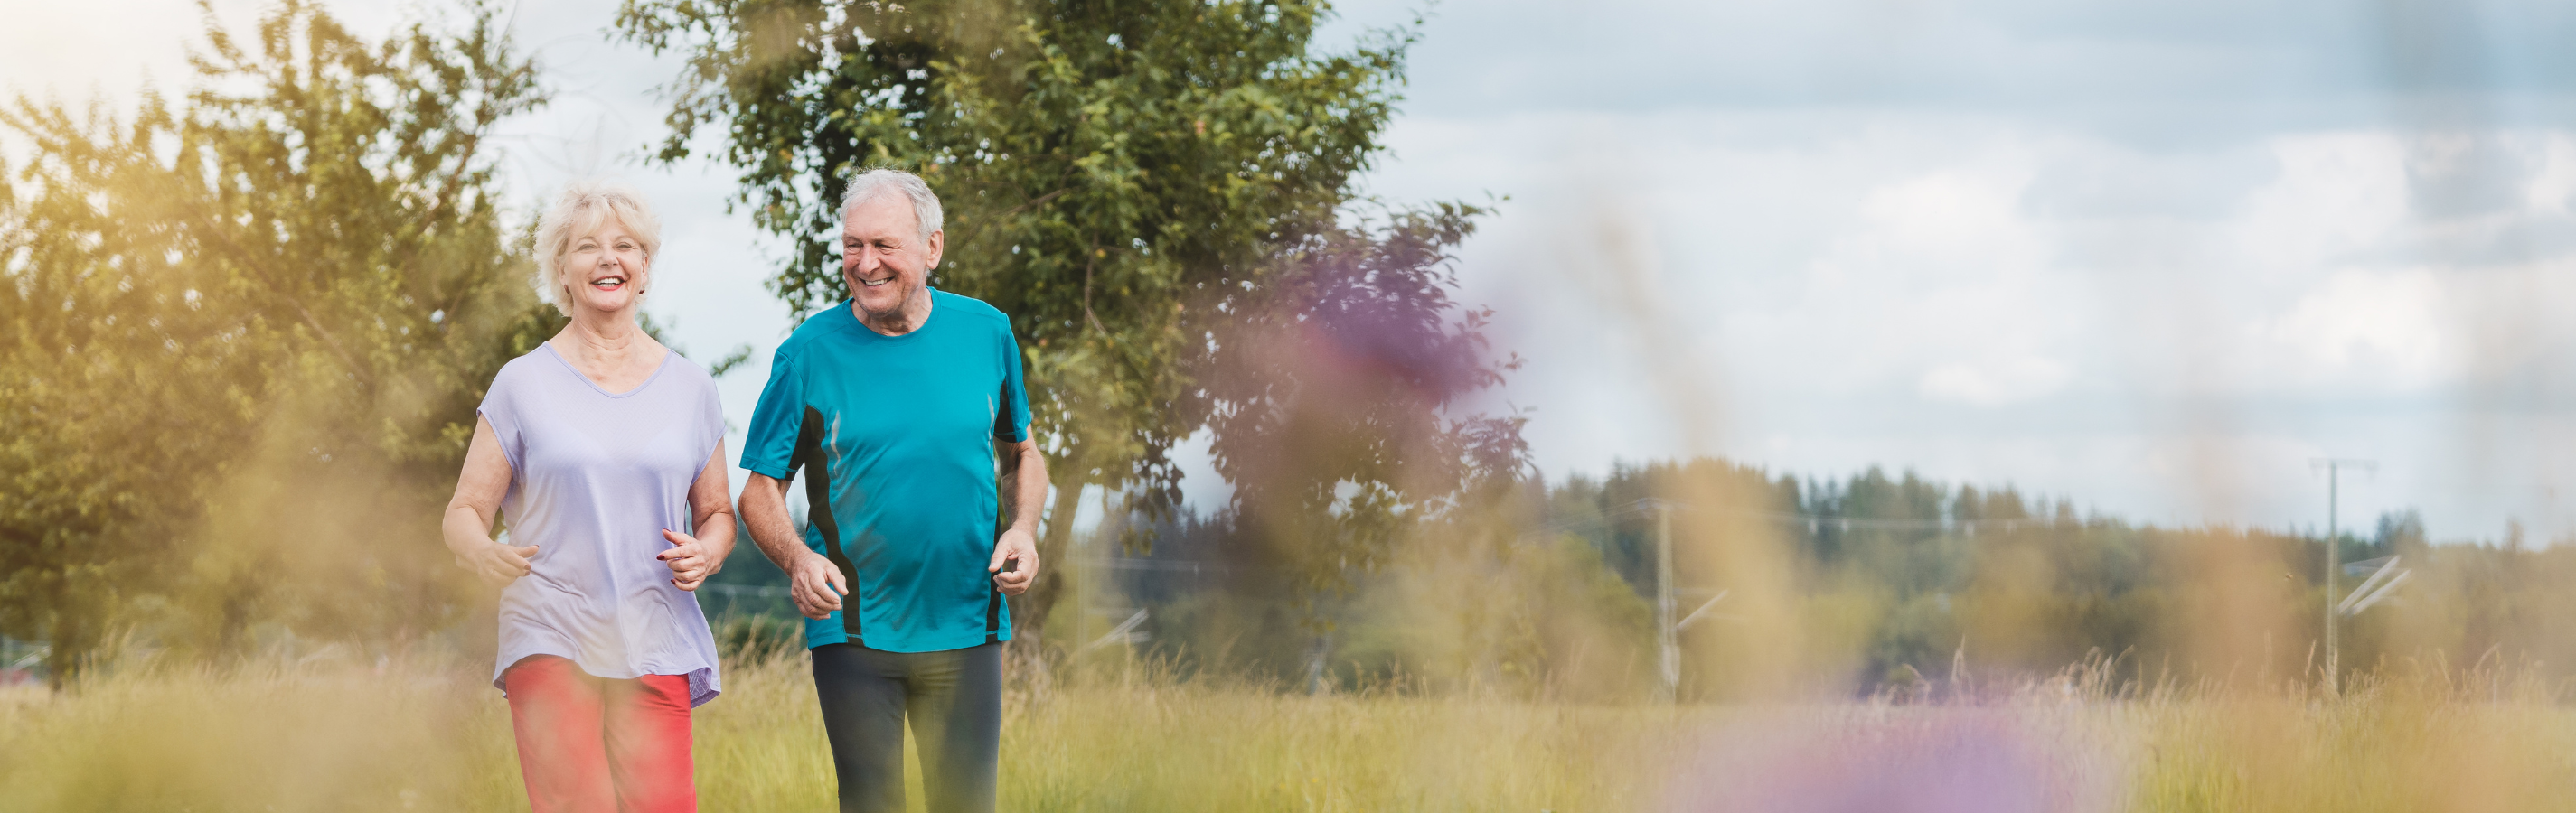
(1953, 215)
(2337, 194)
(2170, 334)
(1994, 384)
(2554, 186)
(2372, 331)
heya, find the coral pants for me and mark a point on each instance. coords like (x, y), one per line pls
(594, 745)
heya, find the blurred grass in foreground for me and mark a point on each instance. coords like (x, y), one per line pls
(436, 737)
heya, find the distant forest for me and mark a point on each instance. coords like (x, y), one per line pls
(1902, 582)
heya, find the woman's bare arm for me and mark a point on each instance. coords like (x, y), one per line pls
(467, 527)
(694, 557)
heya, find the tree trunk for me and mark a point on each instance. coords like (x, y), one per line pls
(73, 633)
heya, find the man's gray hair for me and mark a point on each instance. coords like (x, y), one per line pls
(872, 183)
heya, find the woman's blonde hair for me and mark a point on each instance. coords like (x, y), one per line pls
(584, 206)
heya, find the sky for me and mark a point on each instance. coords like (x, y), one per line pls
(2153, 257)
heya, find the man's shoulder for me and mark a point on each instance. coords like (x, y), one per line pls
(824, 325)
(972, 309)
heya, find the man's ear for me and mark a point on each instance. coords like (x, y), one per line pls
(938, 241)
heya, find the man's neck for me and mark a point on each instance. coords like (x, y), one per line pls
(906, 319)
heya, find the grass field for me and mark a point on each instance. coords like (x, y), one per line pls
(341, 737)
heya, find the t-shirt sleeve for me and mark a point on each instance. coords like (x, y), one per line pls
(711, 407)
(1011, 422)
(769, 444)
(500, 409)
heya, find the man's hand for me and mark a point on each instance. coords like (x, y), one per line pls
(816, 585)
(498, 564)
(690, 565)
(1016, 545)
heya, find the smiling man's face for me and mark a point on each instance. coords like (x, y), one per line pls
(887, 262)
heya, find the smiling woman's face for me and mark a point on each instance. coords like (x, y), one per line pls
(606, 270)
(884, 257)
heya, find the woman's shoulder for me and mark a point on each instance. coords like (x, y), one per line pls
(689, 380)
(688, 371)
(683, 381)
(516, 372)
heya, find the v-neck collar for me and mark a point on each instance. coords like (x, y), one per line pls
(576, 372)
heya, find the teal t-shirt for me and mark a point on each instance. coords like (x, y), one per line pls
(895, 437)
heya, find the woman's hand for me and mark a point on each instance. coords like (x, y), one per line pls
(689, 560)
(498, 564)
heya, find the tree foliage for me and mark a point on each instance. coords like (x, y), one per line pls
(245, 337)
(1152, 190)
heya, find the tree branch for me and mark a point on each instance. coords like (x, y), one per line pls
(329, 340)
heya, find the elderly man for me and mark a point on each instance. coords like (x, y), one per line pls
(895, 403)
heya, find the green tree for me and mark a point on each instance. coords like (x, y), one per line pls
(1130, 181)
(244, 339)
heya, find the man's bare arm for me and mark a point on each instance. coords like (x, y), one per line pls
(1024, 491)
(814, 582)
(1024, 483)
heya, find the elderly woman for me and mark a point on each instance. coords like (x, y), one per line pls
(604, 452)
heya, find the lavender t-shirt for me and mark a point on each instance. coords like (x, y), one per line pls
(595, 477)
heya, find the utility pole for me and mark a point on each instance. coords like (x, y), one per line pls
(2334, 552)
(1666, 641)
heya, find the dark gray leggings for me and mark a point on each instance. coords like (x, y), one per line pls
(954, 700)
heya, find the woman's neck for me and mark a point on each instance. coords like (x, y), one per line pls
(604, 334)
(608, 347)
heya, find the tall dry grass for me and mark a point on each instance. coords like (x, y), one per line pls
(435, 736)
